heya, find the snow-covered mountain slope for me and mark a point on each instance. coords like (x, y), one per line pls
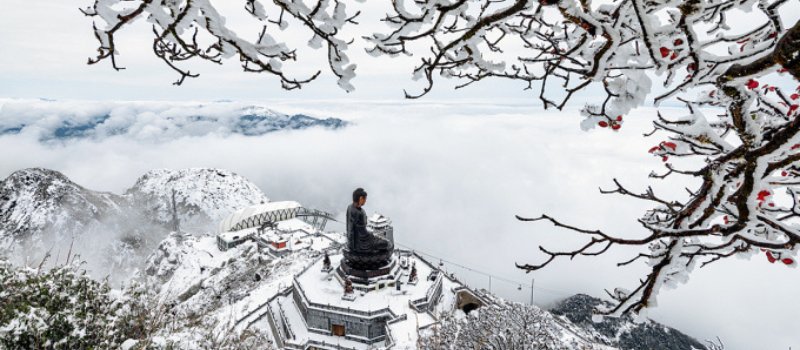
(150, 121)
(217, 293)
(507, 325)
(203, 197)
(35, 200)
(623, 333)
(42, 211)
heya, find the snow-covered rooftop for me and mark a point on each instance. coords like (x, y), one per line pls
(237, 235)
(324, 288)
(379, 220)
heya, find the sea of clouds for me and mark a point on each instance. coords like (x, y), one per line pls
(452, 176)
(55, 121)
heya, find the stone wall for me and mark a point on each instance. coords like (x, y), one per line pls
(359, 328)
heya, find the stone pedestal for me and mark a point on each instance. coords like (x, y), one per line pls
(375, 277)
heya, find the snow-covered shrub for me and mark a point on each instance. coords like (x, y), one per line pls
(501, 325)
(61, 308)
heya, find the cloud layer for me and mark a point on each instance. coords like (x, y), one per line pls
(452, 176)
(145, 121)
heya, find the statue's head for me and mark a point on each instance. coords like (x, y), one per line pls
(359, 197)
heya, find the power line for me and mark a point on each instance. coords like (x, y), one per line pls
(491, 275)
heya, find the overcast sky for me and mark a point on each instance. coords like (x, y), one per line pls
(450, 170)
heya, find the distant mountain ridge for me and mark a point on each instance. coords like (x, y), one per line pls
(159, 121)
(623, 332)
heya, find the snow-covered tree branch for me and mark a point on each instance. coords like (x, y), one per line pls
(746, 71)
(194, 29)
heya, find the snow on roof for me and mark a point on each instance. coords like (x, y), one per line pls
(258, 209)
(329, 291)
(236, 235)
(377, 221)
(320, 289)
(378, 218)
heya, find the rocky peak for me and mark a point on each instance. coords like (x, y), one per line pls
(623, 332)
(32, 200)
(203, 196)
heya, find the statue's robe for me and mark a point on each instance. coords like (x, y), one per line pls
(359, 240)
(357, 235)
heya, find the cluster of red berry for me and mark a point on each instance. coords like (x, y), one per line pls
(614, 123)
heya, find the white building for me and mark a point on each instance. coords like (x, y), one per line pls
(279, 226)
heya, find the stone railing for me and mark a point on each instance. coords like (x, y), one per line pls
(389, 339)
(326, 345)
(400, 318)
(275, 330)
(349, 336)
(431, 297)
(284, 292)
(285, 321)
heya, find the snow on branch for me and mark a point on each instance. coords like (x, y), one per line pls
(746, 71)
(179, 27)
(568, 46)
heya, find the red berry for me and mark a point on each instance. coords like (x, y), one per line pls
(619, 118)
(664, 158)
(782, 70)
(796, 146)
(792, 108)
(752, 84)
(664, 52)
(725, 219)
(772, 35)
(615, 126)
(770, 257)
(763, 195)
(787, 261)
(670, 145)
(674, 56)
(603, 124)
(794, 96)
(678, 42)
(784, 173)
(691, 66)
